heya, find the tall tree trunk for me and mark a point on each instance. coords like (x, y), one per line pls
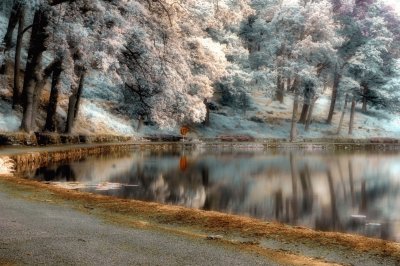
(12, 23)
(50, 125)
(79, 94)
(304, 112)
(310, 113)
(140, 123)
(70, 114)
(73, 105)
(288, 83)
(280, 85)
(353, 108)
(40, 83)
(17, 62)
(207, 118)
(293, 129)
(294, 84)
(365, 97)
(207, 121)
(335, 86)
(279, 88)
(32, 70)
(343, 114)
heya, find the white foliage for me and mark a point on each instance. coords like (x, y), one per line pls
(294, 42)
(183, 49)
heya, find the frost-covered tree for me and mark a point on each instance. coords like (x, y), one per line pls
(367, 54)
(17, 16)
(172, 61)
(169, 57)
(103, 27)
(161, 51)
(76, 36)
(295, 42)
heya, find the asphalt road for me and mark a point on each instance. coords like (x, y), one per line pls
(36, 233)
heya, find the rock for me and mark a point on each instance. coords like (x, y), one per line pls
(239, 138)
(164, 137)
(214, 237)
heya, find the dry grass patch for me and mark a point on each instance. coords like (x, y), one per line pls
(6, 166)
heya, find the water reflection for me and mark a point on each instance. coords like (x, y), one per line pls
(356, 193)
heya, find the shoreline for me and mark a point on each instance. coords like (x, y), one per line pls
(53, 139)
(249, 233)
(245, 232)
(28, 158)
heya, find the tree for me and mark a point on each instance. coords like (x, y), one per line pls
(15, 14)
(35, 77)
(368, 30)
(17, 60)
(294, 42)
(32, 71)
(270, 36)
(171, 65)
(50, 125)
(66, 39)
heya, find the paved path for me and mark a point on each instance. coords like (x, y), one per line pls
(35, 233)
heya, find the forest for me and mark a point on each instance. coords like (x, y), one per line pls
(163, 64)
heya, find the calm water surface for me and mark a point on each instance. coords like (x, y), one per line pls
(358, 193)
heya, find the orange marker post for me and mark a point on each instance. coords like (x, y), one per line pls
(184, 131)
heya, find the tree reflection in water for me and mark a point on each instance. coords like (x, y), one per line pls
(313, 190)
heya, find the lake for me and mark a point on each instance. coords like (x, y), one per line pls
(348, 192)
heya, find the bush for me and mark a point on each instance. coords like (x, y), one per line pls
(234, 97)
